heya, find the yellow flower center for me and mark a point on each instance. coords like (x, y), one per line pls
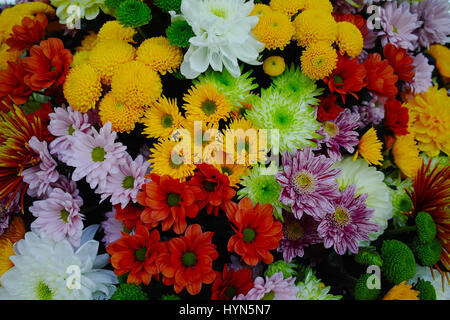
(331, 128)
(303, 182)
(341, 217)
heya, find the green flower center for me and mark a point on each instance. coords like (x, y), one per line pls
(394, 28)
(249, 234)
(226, 170)
(128, 182)
(210, 185)
(209, 107)
(43, 292)
(338, 79)
(64, 215)
(282, 118)
(319, 62)
(341, 216)
(294, 230)
(269, 296)
(98, 154)
(219, 12)
(141, 254)
(265, 189)
(303, 182)
(230, 292)
(293, 86)
(189, 259)
(331, 128)
(173, 199)
(70, 130)
(167, 121)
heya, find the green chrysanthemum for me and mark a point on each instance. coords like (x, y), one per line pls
(170, 297)
(295, 121)
(368, 256)
(426, 228)
(398, 261)
(427, 253)
(362, 291)
(179, 33)
(401, 202)
(113, 4)
(168, 5)
(129, 291)
(288, 269)
(133, 13)
(311, 288)
(426, 289)
(293, 82)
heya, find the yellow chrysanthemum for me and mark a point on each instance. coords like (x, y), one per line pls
(442, 56)
(349, 39)
(274, 66)
(235, 172)
(80, 57)
(82, 88)
(136, 84)
(160, 55)
(260, 9)
(88, 43)
(288, 7)
(402, 291)
(6, 55)
(205, 103)
(319, 60)
(6, 251)
(274, 29)
(406, 155)
(162, 118)
(122, 117)
(323, 5)
(429, 114)
(108, 56)
(161, 160)
(113, 30)
(370, 148)
(314, 25)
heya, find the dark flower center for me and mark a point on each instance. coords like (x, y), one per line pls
(338, 79)
(227, 171)
(98, 154)
(173, 199)
(303, 182)
(128, 182)
(189, 259)
(209, 107)
(141, 254)
(249, 234)
(294, 230)
(167, 121)
(230, 292)
(210, 185)
(64, 215)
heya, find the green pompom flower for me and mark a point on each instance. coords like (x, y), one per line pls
(426, 228)
(170, 297)
(168, 5)
(427, 253)
(362, 292)
(426, 289)
(113, 4)
(288, 269)
(129, 291)
(368, 256)
(133, 13)
(398, 261)
(179, 33)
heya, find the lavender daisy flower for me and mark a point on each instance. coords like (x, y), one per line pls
(349, 223)
(273, 288)
(68, 186)
(58, 217)
(297, 234)
(39, 177)
(398, 25)
(422, 74)
(111, 227)
(97, 155)
(435, 15)
(235, 264)
(125, 184)
(370, 112)
(308, 183)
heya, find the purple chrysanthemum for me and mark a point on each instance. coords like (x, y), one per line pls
(435, 16)
(6, 212)
(97, 155)
(125, 184)
(236, 264)
(273, 288)
(398, 25)
(340, 132)
(63, 123)
(39, 177)
(111, 227)
(297, 234)
(58, 217)
(422, 74)
(349, 222)
(309, 183)
(370, 112)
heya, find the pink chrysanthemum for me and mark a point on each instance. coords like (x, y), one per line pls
(68, 186)
(111, 227)
(435, 16)
(370, 111)
(422, 74)
(39, 177)
(273, 288)
(349, 222)
(398, 25)
(297, 234)
(58, 217)
(96, 155)
(124, 185)
(309, 183)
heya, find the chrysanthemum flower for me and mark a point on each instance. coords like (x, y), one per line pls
(361, 23)
(323, 5)
(370, 148)
(235, 172)
(396, 117)
(435, 18)
(400, 61)
(328, 109)
(288, 7)
(272, 288)
(160, 55)
(187, 261)
(260, 9)
(381, 79)
(179, 33)
(136, 255)
(113, 30)
(312, 288)
(274, 66)
(231, 283)
(89, 42)
(13, 89)
(402, 291)
(274, 29)
(422, 74)
(112, 228)
(130, 217)
(370, 111)
(162, 118)
(442, 55)
(315, 25)
(133, 13)
(319, 60)
(88, 10)
(256, 232)
(349, 39)
(406, 155)
(168, 5)
(6, 251)
(28, 33)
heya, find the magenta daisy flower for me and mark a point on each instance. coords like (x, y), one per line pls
(349, 222)
(422, 74)
(96, 155)
(111, 227)
(273, 288)
(309, 183)
(297, 234)
(435, 15)
(58, 217)
(124, 185)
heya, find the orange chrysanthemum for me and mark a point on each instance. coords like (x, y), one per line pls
(381, 79)
(401, 62)
(231, 283)
(29, 33)
(13, 89)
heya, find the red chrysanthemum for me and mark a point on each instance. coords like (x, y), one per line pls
(328, 109)
(401, 62)
(168, 201)
(230, 283)
(47, 65)
(396, 117)
(130, 216)
(381, 79)
(137, 255)
(29, 33)
(187, 260)
(13, 89)
(348, 77)
(256, 231)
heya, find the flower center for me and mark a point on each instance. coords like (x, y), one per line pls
(227, 171)
(294, 230)
(394, 28)
(303, 182)
(209, 107)
(173, 199)
(282, 118)
(43, 292)
(128, 182)
(210, 185)
(341, 216)
(167, 121)
(249, 234)
(179, 161)
(338, 79)
(331, 128)
(230, 292)
(269, 296)
(189, 259)
(318, 62)
(64, 215)
(219, 12)
(98, 154)
(140, 254)
(70, 130)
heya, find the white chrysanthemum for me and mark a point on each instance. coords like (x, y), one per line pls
(368, 180)
(312, 288)
(42, 270)
(223, 35)
(72, 11)
(424, 273)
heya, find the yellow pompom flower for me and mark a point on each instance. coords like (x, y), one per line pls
(80, 57)
(349, 39)
(274, 29)
(113, 30)
(160, 55)
(370, 148)
(82, 88)
(406, 155)
(162, 118)
(319, 60)
(314, 25)
(88, 43)
(322, 5)
(274, 66)
(260, 9)
(122, 117)
(235, 172)
(136, 84)
(288, 7)
(402, 291)
(429, 114)
(442, 56)
(108, 56)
